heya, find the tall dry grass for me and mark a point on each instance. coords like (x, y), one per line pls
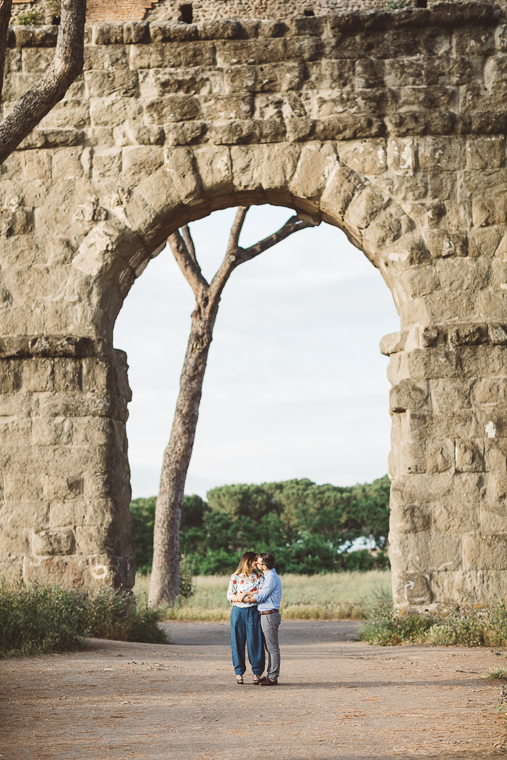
(332, 596)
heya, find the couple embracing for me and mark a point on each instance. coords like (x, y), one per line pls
(255, 591)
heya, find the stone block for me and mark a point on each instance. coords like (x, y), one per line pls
(172, 56)
(316, 164)
(214, 168)
(474, 42)
(106, 163)
(280, 78)
(251, 52)
(51, 432)
(92, 540)
(493, 519)
(387, 227)
(450, 394)
(181, 167)
(226, 107)
(441, 154)
(141, 161)
(102, 58)
(412, 589)
(393, 343)
(485, 152)
(408, 395)
(325, 74)
(431, 363)
(420, 281)
(343, 184)
(365, 206)
(71, 113)
(484, 552)
(172, 108)
(440, 457)
(364, 156)
(51, 542)
(402, 156)
(14, 542)
(111, 112)
(470, 455)
(121, 83)
(421, 98)
(426, 552)
(73, 571)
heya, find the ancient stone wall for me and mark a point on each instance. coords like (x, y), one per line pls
(199, 10)
(390, 126)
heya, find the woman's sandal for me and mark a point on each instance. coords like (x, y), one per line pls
(239, 679)
(256, 680)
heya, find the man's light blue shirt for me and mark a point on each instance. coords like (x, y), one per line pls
(270, 595)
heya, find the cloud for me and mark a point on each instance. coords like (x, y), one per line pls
(295, 384)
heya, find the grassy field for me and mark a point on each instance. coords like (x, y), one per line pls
(333, 596)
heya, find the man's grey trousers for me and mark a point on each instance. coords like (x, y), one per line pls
(270, 625)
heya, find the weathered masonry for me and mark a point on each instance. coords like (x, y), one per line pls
(390, 126)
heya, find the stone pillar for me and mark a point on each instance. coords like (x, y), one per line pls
(64, 483)
(448, 464)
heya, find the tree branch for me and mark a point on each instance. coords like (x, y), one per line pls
(67, 64)
(236, 228)
(187, 237)
(5, 17)
(187, 264)
(292, 225)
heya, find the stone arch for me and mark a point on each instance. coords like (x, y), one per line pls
(308, 178)
(390, 125)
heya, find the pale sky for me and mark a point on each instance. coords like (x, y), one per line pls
(296, 385)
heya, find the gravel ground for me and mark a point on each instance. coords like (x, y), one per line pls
(337, 698)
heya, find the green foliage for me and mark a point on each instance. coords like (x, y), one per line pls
(143, 522)
(499, 674)
(396, 5)
(308, 527)
(39, 619)
(386, 625)
(29, 17)
(55, 8)
(467, 627)
(117, 614)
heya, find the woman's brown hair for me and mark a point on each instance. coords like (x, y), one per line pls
(246, 562)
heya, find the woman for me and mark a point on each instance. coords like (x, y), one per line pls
(245, 620)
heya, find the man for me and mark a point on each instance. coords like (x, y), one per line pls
(268, 605)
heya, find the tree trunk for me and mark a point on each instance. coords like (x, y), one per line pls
(67, 64)
(165, 577)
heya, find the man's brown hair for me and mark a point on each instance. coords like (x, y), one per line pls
(267, 559)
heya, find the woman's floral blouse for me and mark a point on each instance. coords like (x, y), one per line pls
(239, 583)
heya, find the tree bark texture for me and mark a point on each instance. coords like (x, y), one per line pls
(5, 17)
(67, 64)
(164, 584)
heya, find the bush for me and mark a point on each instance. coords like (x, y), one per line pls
(117, 614)
(467, 627)
(387, 626)
(29, 18)
(39, 619)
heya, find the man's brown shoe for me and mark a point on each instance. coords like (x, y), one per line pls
(269, 682)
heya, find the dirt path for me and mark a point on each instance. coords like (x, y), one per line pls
(337, 699)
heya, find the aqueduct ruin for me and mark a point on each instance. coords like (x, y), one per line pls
(389, 125)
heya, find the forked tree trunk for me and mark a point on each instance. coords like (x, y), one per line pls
(165, 577)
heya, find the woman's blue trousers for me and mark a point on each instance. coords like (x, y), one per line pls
(246, 629)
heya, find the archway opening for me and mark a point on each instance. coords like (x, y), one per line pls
(295, 387)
